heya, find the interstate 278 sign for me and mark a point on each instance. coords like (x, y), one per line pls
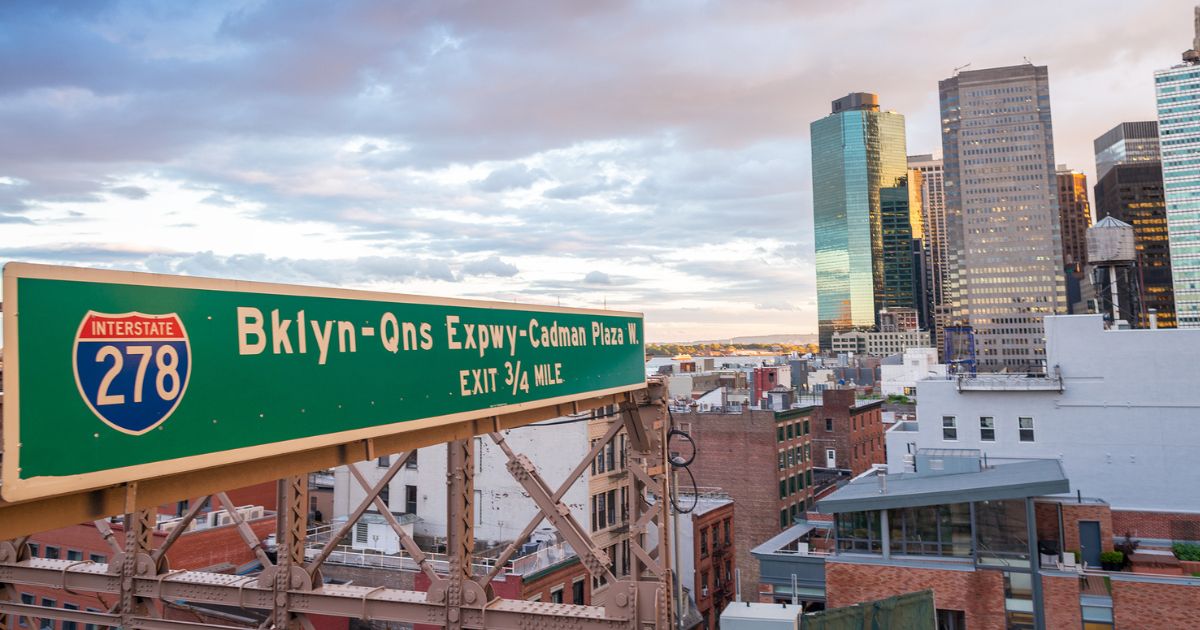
(132, 369)
(113, 377)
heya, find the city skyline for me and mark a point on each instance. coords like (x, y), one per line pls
(413, 150)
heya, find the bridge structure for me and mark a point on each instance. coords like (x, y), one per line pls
(290, 588)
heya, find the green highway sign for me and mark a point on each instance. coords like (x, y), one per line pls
(111, 377)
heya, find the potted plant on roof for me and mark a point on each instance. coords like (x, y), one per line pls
(1112, 560)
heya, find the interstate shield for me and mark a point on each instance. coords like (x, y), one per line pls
(132, 369)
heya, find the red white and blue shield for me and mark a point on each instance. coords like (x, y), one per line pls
(132, 369)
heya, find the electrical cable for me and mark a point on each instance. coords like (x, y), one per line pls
(680, 462)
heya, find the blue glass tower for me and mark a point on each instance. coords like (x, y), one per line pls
(1178, 94)
(856, 151)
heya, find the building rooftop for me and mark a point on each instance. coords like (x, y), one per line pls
(738, 611)
(1006, 481)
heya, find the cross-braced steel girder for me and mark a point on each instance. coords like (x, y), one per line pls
(290, 588)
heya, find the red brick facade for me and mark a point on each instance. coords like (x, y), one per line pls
(713, 557)
(741, 453)
(1060, 597)
(979, 594)
(1163, 525)
(1151, 605)
(1046, 513)
(854, 433)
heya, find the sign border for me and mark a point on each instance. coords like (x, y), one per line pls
(14, 489)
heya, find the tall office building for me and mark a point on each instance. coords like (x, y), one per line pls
(1127, 143)
(1178, 94)
(1131, 190)
(857, 150)
(1074, 218)
(1002, 212)
(926, 180)
(904, 257)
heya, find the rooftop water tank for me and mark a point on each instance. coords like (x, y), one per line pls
(1110, 241)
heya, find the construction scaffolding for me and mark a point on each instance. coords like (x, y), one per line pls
(291, 588)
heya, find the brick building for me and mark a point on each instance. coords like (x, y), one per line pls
(994, 542)
(847, 434)
(763, 460)
(707, 553)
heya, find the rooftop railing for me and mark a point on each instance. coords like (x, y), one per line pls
(1010, 382)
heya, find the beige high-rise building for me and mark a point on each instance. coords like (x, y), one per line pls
(1002, 212)
(927, 171)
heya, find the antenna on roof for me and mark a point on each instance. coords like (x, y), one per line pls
(1027, 60)
(962, 67)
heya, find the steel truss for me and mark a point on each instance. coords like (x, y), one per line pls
(291, 588)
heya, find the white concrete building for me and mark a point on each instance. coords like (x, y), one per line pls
(1119, 408)
(501, 506)
(916, 364)
(879, 344)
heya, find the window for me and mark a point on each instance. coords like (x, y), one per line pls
(1025, 425)
(783, 519)
(556, 595)
(703, 543)
(33, 549)
(987, 429)
(828, 424)
(782, 460)
(778, 434)
(411, 464)
(625, 449)
(791, 431)
(27, 599)
(577, 592)
(70, 625)
(384, 495)
(783, 488)
(949, 428)
(91, 626)
(704, 584)
(98, 558)
(75, 555)
(52, 552)
(806, 427)
(410, 500)
(726, 525)
(385, 461)
(47, 624)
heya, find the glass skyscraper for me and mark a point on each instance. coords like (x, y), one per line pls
(1002, 219)
(856, 151)
(1178, 93)
(925, 180)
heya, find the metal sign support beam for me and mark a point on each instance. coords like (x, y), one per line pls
(287, 590)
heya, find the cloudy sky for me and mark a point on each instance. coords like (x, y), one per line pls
(646, 156)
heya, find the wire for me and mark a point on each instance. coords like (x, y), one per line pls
(695, 495)
(680, 462)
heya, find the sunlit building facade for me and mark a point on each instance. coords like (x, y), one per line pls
(1002, 211)
(1074, 218)
(926, 179)
(856, 151)
(1178, 94)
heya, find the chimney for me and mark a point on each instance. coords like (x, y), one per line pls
(1154, 311)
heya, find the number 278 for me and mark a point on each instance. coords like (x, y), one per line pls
(166, 382)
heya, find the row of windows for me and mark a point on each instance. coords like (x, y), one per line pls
(714, 532)
(791, 430)
(55, 553)
(794, 456)
(987, 428)
(49, 624)
(606, 506)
